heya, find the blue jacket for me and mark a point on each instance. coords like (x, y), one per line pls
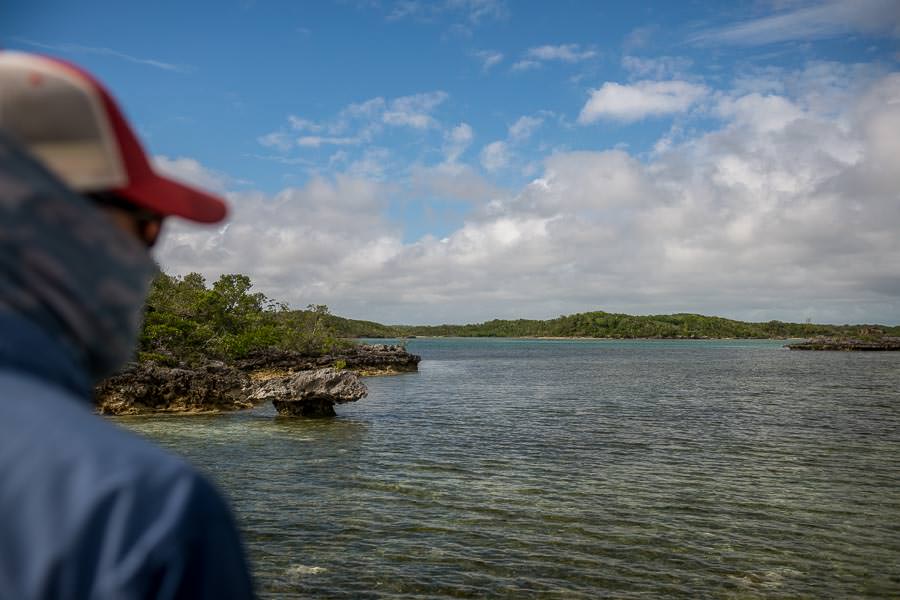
(89, 510)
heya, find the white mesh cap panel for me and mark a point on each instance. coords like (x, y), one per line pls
(58, 116)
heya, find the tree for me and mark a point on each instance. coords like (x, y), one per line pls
(185, 321)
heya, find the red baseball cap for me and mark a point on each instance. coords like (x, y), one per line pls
(68, 120)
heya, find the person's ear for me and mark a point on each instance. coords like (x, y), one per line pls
(150, 230)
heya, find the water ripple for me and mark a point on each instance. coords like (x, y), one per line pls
(567, 469)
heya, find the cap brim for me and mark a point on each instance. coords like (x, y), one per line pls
(70, 122)
(171, 198)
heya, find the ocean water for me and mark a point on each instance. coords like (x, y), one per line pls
(574, 469)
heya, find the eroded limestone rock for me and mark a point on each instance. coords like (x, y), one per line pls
(310, 393)
(365, 359)
(151, 388)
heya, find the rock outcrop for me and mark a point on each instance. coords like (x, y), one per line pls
(365, 359)
(848, 344)
(151, 388)
(298, 384)
(380, 359)
(310, 393)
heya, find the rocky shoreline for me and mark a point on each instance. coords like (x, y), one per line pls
(366, 360)
(842, 344)
(296, 384)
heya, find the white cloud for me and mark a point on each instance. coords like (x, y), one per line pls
(461, 134)
(403, 9)
(764, 113)
(457, 141)
(474, 11)
(356, 124)
(787, 210)
(495, 156)
(414, 111)
(455, 181)
(327, 224)
(643, 99)
(524, 127)
(338, 158)
(639, 37)
(489, 58)
(668, 139)
(282, 159)
(480, 10)
(372, 165)
(276, 139)
(822, 20)
(192, 172)
(314, 141)
(284, 141)
(363, 110)
(569, 53)
(301, 124)
(525, 65)
(409, 119)
(593, 180)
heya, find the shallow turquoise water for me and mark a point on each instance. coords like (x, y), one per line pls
(575, 469)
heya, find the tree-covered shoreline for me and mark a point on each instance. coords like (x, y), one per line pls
(605, 325)
(188, 321)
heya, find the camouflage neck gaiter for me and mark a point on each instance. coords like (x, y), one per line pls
(66, 267)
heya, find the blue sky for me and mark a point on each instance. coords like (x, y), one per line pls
(460, 160)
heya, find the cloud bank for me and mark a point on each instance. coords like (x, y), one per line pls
(788, 209)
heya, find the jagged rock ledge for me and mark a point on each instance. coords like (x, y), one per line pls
(297, 384)
(367, 360)
(142, 388)
(848, 344)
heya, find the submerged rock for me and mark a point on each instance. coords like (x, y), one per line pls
(310, 393)
(151, 388)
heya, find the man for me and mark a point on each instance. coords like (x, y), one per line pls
(88, 510)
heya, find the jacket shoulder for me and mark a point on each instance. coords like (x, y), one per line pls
(90, 504)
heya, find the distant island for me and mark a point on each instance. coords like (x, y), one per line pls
(605, 325)
(188, 320)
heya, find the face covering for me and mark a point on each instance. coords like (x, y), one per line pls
(67, 267)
